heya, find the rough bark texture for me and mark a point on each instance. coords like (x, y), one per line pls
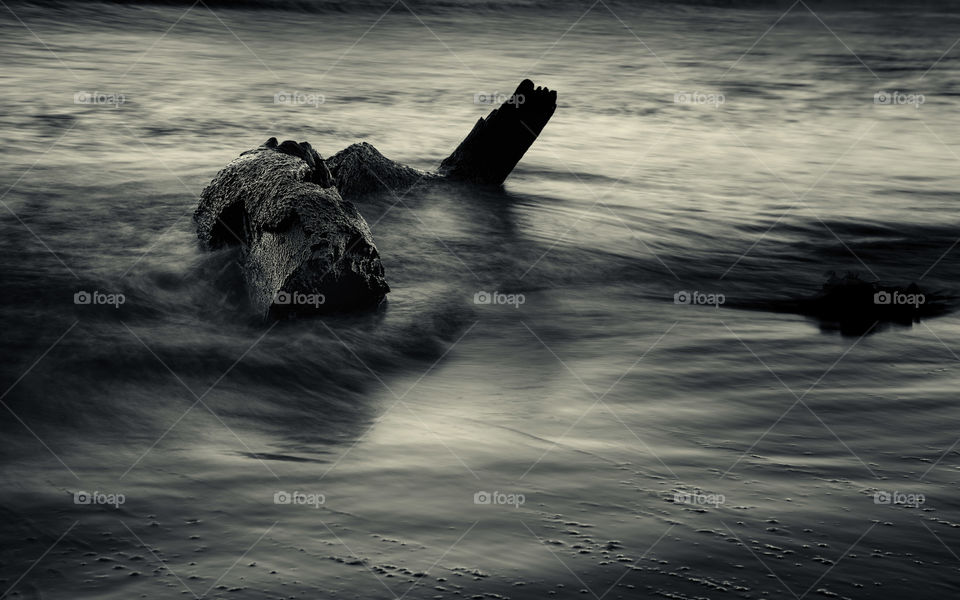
(496, 144)
(299, 240)
(486, 156)
(360, 169)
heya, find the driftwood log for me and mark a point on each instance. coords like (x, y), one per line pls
(303, 245)
(486, 156)
(303, 248)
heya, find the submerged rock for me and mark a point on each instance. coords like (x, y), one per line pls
(856, 306)
(303, 248)
(852, 302)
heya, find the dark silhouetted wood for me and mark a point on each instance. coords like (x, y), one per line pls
(497, 143)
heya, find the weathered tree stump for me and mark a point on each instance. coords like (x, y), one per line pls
(303, 248)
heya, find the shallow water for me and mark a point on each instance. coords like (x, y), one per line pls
(598, 399)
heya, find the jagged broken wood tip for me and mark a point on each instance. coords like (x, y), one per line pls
(497, 143)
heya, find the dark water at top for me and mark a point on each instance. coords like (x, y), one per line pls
(599, 398)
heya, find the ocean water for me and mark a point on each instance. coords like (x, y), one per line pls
(588, 436)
